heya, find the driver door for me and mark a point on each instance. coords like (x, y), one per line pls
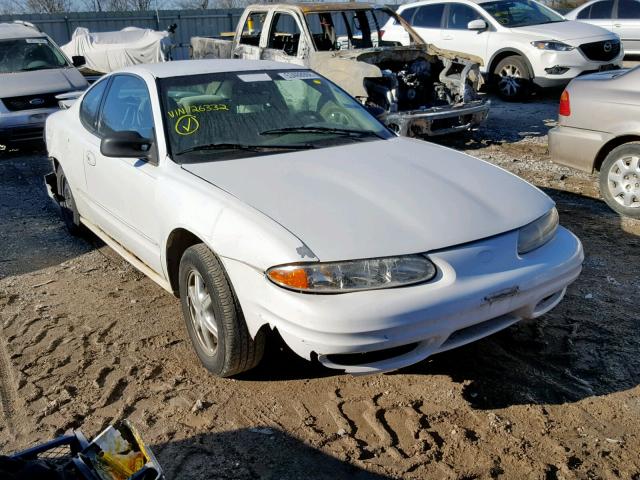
(123, 189)
(455, 34)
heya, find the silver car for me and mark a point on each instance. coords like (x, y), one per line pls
(622, 17)
(33, 72)
(599, 130)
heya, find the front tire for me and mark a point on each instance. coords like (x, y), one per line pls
(620, 179)
(513, 78)
(213, 316)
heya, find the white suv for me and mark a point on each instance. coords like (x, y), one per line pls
(519, 41)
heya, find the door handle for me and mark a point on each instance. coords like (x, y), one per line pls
(447, 37)
(91, 158)
(617, 25)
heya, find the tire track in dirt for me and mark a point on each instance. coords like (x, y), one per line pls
(8, 391)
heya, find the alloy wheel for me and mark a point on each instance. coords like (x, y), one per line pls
(201, 311)
(510, 80)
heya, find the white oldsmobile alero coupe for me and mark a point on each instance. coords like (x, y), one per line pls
(266, 197)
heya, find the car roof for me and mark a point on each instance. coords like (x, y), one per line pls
(181, 68)
(316, 7)
(18, 30)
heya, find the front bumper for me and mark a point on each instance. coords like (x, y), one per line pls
(23, 126)
(576, 147)
(438, 120)
(480, 289)
(571, 64)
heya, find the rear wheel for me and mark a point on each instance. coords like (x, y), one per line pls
(213, 316)
(513, 78)
(68, 210)
(620, 179)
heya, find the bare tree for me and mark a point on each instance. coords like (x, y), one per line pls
(47, 6)
(193, 4)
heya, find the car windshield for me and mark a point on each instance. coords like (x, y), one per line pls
(521, 13)
(27, 54)
(349, 29)
(221, 116)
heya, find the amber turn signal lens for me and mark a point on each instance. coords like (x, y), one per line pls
(290, 277)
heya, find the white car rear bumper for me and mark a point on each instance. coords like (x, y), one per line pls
(481, 288)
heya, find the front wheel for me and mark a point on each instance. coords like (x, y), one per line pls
(620, 179)
(213, 316)
(513, 78)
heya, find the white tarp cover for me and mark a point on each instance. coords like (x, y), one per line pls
(105, 52)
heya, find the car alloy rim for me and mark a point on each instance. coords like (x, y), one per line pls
(510, 78)
(203, 319)
(624, 181)
(68, 201)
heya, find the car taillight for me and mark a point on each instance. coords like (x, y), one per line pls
(565, 105)
(381, 33)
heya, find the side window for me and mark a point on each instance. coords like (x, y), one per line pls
(629, 9)
(429, 16)
(91, 104)
(407, 15)
(601, 10)
(460, 15)
(253, 29)
(127, 107)
(285, 34)
(584, 13)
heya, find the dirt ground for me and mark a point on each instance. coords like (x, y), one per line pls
(85, 340)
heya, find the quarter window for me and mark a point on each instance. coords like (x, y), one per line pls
(629, 9)
(599, 10)
(429, 16)
(285, 34)
(459, 16)
(127, 107)
(91, 104)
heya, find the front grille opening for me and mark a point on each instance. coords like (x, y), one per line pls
(351, 359)
(601, 51)
(31, 102)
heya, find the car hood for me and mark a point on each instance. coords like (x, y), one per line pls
(41, 81)
(566, 32)
(379, 198)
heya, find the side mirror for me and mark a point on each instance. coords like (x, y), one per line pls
(78, 61)
(128, 145)
(477, 24)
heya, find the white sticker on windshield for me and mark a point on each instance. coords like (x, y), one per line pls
(40, 41)
(303, 75)
(255, 77)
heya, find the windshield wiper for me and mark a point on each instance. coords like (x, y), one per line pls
(323, 130)
(240, 146)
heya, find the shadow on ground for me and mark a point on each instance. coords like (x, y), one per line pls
(251, 453)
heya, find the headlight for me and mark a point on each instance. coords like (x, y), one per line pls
(538, 232)
(350, 276)
(552, 45)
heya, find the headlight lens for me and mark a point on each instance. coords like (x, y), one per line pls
(552, 45)
(349, 276)
(538, 232)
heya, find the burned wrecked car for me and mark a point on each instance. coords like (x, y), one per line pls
(414, 89)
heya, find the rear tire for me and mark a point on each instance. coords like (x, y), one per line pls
(213, 316)
(68, 210)
(512, 78)
(620, 179)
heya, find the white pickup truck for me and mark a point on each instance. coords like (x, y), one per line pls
(415, 89)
